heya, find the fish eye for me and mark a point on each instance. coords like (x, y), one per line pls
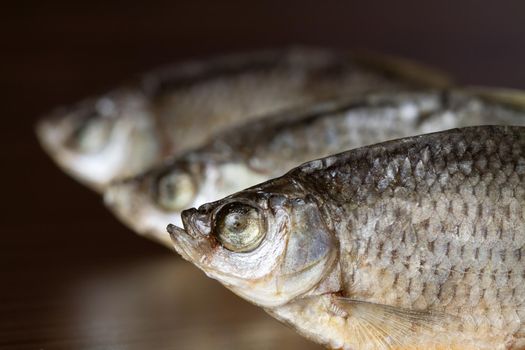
(239, 227)
(91, 135)
(175, 191)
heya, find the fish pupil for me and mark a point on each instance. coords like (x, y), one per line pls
(236, 222)
(170, 189)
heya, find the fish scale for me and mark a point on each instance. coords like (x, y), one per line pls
(449, 229)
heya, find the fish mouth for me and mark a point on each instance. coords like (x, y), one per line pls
(182, 242)
(190, 242)
(122, 199)
(120, 196)
(174, 230)
(95, 170)
(130, 201)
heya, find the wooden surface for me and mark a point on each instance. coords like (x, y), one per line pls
(72, 276)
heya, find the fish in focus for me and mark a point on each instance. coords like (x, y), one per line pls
(136, 126)
(416, 243)
(266, 148)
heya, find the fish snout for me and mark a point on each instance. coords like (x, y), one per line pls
(196, 223)
(174, 230)
(187, 214)
(119, 197)
(52, 132)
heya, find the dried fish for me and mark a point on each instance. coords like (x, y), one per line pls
(416, 243)
(132, 128)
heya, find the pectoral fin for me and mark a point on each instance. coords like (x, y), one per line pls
(386, 327)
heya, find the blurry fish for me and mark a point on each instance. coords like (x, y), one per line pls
(417, 243)
(170, 110)
(258, 151)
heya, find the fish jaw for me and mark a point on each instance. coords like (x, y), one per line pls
(182, 242)
(193, 250)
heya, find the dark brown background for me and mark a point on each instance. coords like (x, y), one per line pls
(71, 276)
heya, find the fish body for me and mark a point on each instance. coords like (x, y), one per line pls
(415, 243)
(131, 128)
(266, 148)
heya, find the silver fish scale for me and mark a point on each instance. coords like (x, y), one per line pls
(275, 87)
(333, 131)
(384, 116)
(434, 223)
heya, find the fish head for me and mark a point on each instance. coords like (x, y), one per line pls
(101, 139)
(266, 246)
(148, 201)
